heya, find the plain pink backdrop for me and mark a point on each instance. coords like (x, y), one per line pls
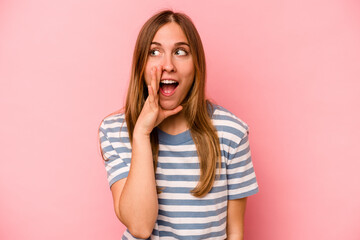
(290, 69)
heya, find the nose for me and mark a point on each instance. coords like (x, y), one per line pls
(168, 64)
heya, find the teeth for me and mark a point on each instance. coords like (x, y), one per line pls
(166, 81)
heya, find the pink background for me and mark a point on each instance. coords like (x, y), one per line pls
(290, 69)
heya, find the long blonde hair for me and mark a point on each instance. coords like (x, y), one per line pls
(195, 106)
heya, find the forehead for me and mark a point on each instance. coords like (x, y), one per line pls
(170, 33)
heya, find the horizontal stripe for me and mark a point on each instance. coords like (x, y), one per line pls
(121, 139)
(190, 184)
(177, 154)
(230, 122)
(176, 172)
(193, 219)
(243, 194)
(223, 113)
(188, 189)
(117, 117)
(115, 178)
(240, 180)
(122, 150)
(242, 184)
(182, 177)
(208, 236)
(192, 226)
(233, 131)
(243, 162)
(182, 166)
(207, 233)
(178, 148)
(116, 162)
(165, 165)
(192, 214)
(193, 208)
(186, 196)
(170, 159)
(182, 215)
(194, 202)
(240, 169)
(242, 190)
(240, 174)
(228, 144)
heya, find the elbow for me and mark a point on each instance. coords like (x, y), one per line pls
(140, 232)
(137, 229)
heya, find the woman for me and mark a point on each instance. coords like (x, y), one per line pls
(178, 166)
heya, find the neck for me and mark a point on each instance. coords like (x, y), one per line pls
(174, 124)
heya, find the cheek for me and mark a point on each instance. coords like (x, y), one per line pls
(189, 71)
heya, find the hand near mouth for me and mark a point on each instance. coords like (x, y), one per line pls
(152, 114)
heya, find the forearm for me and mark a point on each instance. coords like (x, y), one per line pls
(235, 219)
(235, 237)
(138, 205)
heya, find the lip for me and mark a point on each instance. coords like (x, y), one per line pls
(172, 92)
(165, 78)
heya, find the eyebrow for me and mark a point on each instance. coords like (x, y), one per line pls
(176, 44)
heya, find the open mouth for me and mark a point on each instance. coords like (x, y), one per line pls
(168, 86)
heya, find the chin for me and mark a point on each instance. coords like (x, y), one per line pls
(168, 106)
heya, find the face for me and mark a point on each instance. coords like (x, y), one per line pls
(170, 50)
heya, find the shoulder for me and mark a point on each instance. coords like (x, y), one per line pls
(228, 123)
(113, 123)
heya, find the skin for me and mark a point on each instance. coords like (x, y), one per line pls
(170, 53)
(135, 197)
(235, 219)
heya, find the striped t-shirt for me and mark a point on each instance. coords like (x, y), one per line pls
(181, 215)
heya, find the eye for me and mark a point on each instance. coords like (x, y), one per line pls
(181, 52)
(154, 52)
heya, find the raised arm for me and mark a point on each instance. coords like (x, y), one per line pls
(135, 197)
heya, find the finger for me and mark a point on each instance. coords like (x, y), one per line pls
(151, 94)
(158, 77)
(154, 80)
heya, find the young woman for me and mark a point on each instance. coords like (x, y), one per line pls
(179, 167)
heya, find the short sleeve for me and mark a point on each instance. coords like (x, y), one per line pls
(115, 151)
(240, 171)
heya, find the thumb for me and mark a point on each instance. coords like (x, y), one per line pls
(168, 113)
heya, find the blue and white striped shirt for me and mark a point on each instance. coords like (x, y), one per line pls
(181, 215)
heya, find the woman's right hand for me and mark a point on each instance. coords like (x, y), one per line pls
(152, 114)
